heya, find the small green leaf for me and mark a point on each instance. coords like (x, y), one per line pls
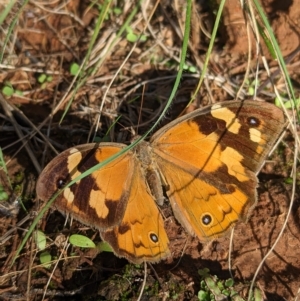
(277, 102)
(104, 247)
(288, 104)
(258, 295)
(226, 292)
(40, 240)
(220, 285)
(45, 258)
(203, 296)
(74, 69)
(143, 38)
(117, 11)
(42, 78)
(81, 241)
(229, 282)
(251, 91)
(192, 69)
(3, 195)
(19, 92)
(8, 91)
(237, 297)
(288, 181)
(185, 67)
(203, 284)
(131, 37)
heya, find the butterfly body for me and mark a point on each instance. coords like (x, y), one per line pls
(205, 161)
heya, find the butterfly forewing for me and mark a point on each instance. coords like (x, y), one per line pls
(98, 200)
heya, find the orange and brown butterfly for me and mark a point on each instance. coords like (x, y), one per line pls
(206, 163)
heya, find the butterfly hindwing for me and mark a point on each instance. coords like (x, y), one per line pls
(141, 235)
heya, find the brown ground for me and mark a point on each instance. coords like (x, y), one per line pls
(45, 41)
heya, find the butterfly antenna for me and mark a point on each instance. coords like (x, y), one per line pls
(140, 112)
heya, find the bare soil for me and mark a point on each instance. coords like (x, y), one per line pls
(48, 39)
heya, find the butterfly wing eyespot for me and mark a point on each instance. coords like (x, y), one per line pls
(153, 237)
(60, 183)
(253, 121)
(206, 219)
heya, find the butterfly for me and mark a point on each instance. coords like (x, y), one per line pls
(205, 162)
